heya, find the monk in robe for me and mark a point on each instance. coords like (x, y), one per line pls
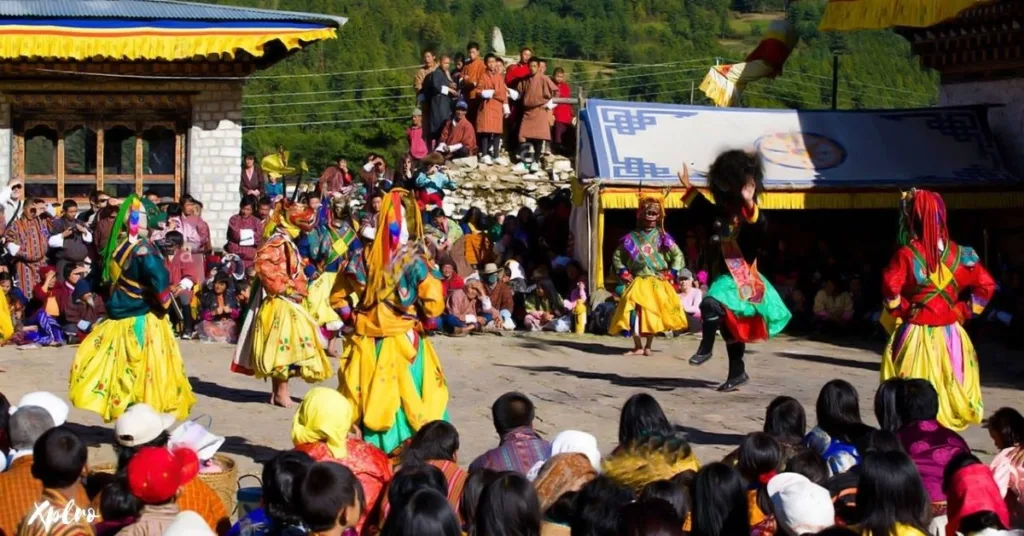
(472, 72)
(440, 91)
(537, 93)
(27, 242)
(458, 139)
(491, 109)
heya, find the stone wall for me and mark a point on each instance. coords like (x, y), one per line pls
(502, 189)
(6, 141)
(1007, 122)
(215, 155)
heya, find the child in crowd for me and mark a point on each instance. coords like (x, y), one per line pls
(1006, 427)
(279, 514)
(331, 500)
(156, 475)
(59, 462)
(545, 309)
(219, 311)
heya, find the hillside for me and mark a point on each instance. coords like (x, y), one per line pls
(607, 46)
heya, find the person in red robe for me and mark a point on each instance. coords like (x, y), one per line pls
(922, 289)
(472, 72)
(562, 135)
(490, 115)
(458, 138)
(244, 232)
(536, 92)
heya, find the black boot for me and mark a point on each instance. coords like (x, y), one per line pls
(737, 368)
(707, 342)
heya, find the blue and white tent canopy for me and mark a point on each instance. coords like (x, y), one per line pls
(630, 142)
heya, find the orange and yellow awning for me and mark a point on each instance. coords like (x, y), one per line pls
(166, 40)
(880, 14)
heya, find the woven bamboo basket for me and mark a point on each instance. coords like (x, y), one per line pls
(225, 483)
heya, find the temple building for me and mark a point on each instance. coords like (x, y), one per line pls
(128, 96)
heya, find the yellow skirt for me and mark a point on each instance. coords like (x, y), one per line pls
(648, 306)
(131, 360)
(937, 354)
(286, 342)
(318, 301)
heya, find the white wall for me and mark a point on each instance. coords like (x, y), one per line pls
(1007, 122)
(215, 156)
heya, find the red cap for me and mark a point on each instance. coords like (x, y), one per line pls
(155, 474)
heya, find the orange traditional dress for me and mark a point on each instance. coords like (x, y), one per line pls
(280, 338)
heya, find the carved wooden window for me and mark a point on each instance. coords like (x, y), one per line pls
(80, 142)
(41, 161)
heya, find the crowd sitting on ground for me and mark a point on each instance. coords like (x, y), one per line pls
(910, 477)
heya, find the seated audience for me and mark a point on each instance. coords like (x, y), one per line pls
(500, 295)
(1006, 427)
(407, 480)
(279, 514)
(425, 513)
(219, 311)
(432, 181)
(441, 230)
(720, 502)
(545, 309)
(833, 310)
(156, 475)
(760, 458)
(331, 499)
(800, 506)
(509, 505)
(890, 497)
(520, 446)
(561, 475)
(646, 517)
(321, 429)
(839, 426)
(690, 297)
(598, 507)
(976, 507)
(476, 482)
(887, 404)
(672, 493)
(58, 464)
(119, 508)
(437, 444)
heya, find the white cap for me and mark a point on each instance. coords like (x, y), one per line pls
(188, 523)
(801, 505)
(140, 424)
(57, 408)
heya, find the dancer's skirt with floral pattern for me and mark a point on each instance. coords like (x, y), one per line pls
(285, 341)
(131, 360)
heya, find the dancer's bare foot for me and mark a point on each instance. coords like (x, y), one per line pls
(282, 403)
(281, 397)
(635, 351)
(647, 352)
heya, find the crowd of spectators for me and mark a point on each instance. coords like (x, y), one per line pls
(909, 477)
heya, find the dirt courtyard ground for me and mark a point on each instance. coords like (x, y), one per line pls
(577, 382)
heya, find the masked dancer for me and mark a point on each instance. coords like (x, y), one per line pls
(132, 356)
(280, 338)
(648, 260)
(922, 289)
(740, 301)
(392, 374)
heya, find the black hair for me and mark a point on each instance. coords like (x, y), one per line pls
(264, 202)
(685, 482)
(58, 458)
(597, 507)
(886, 404)
(879, 441)
(653, 517)
(979, 522)
(282, 476)
(68, 203)
(1006, 423)
(728, 175)
(490, 56)
(173, 210)
(524, 49)
(759, 455)
(785, 420)
(438, 212)
(641, 418)
(328, 489)
(5, 414)
(838, 411)
(94, 195)
(956, 463)
(188, 198)
(457, 57)
(68, 268)
(471, 45)
(150, 192)
(471, 491)
(838, 531)
(425, 513)
(558, 71)
(6, 276)
(413, 477)
(671, 493)
(436, 440)
(125, 454)
(117, 501)
(811, 465)
(174, 239)
(248, 201)
(508, 507)
(512, 410)
(720, 502)
(917, 401)
(890, 492)
(534, 59)
(562, 509)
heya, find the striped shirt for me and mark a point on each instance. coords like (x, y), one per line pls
(48, 524)
(19, 492)
(519, 450)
